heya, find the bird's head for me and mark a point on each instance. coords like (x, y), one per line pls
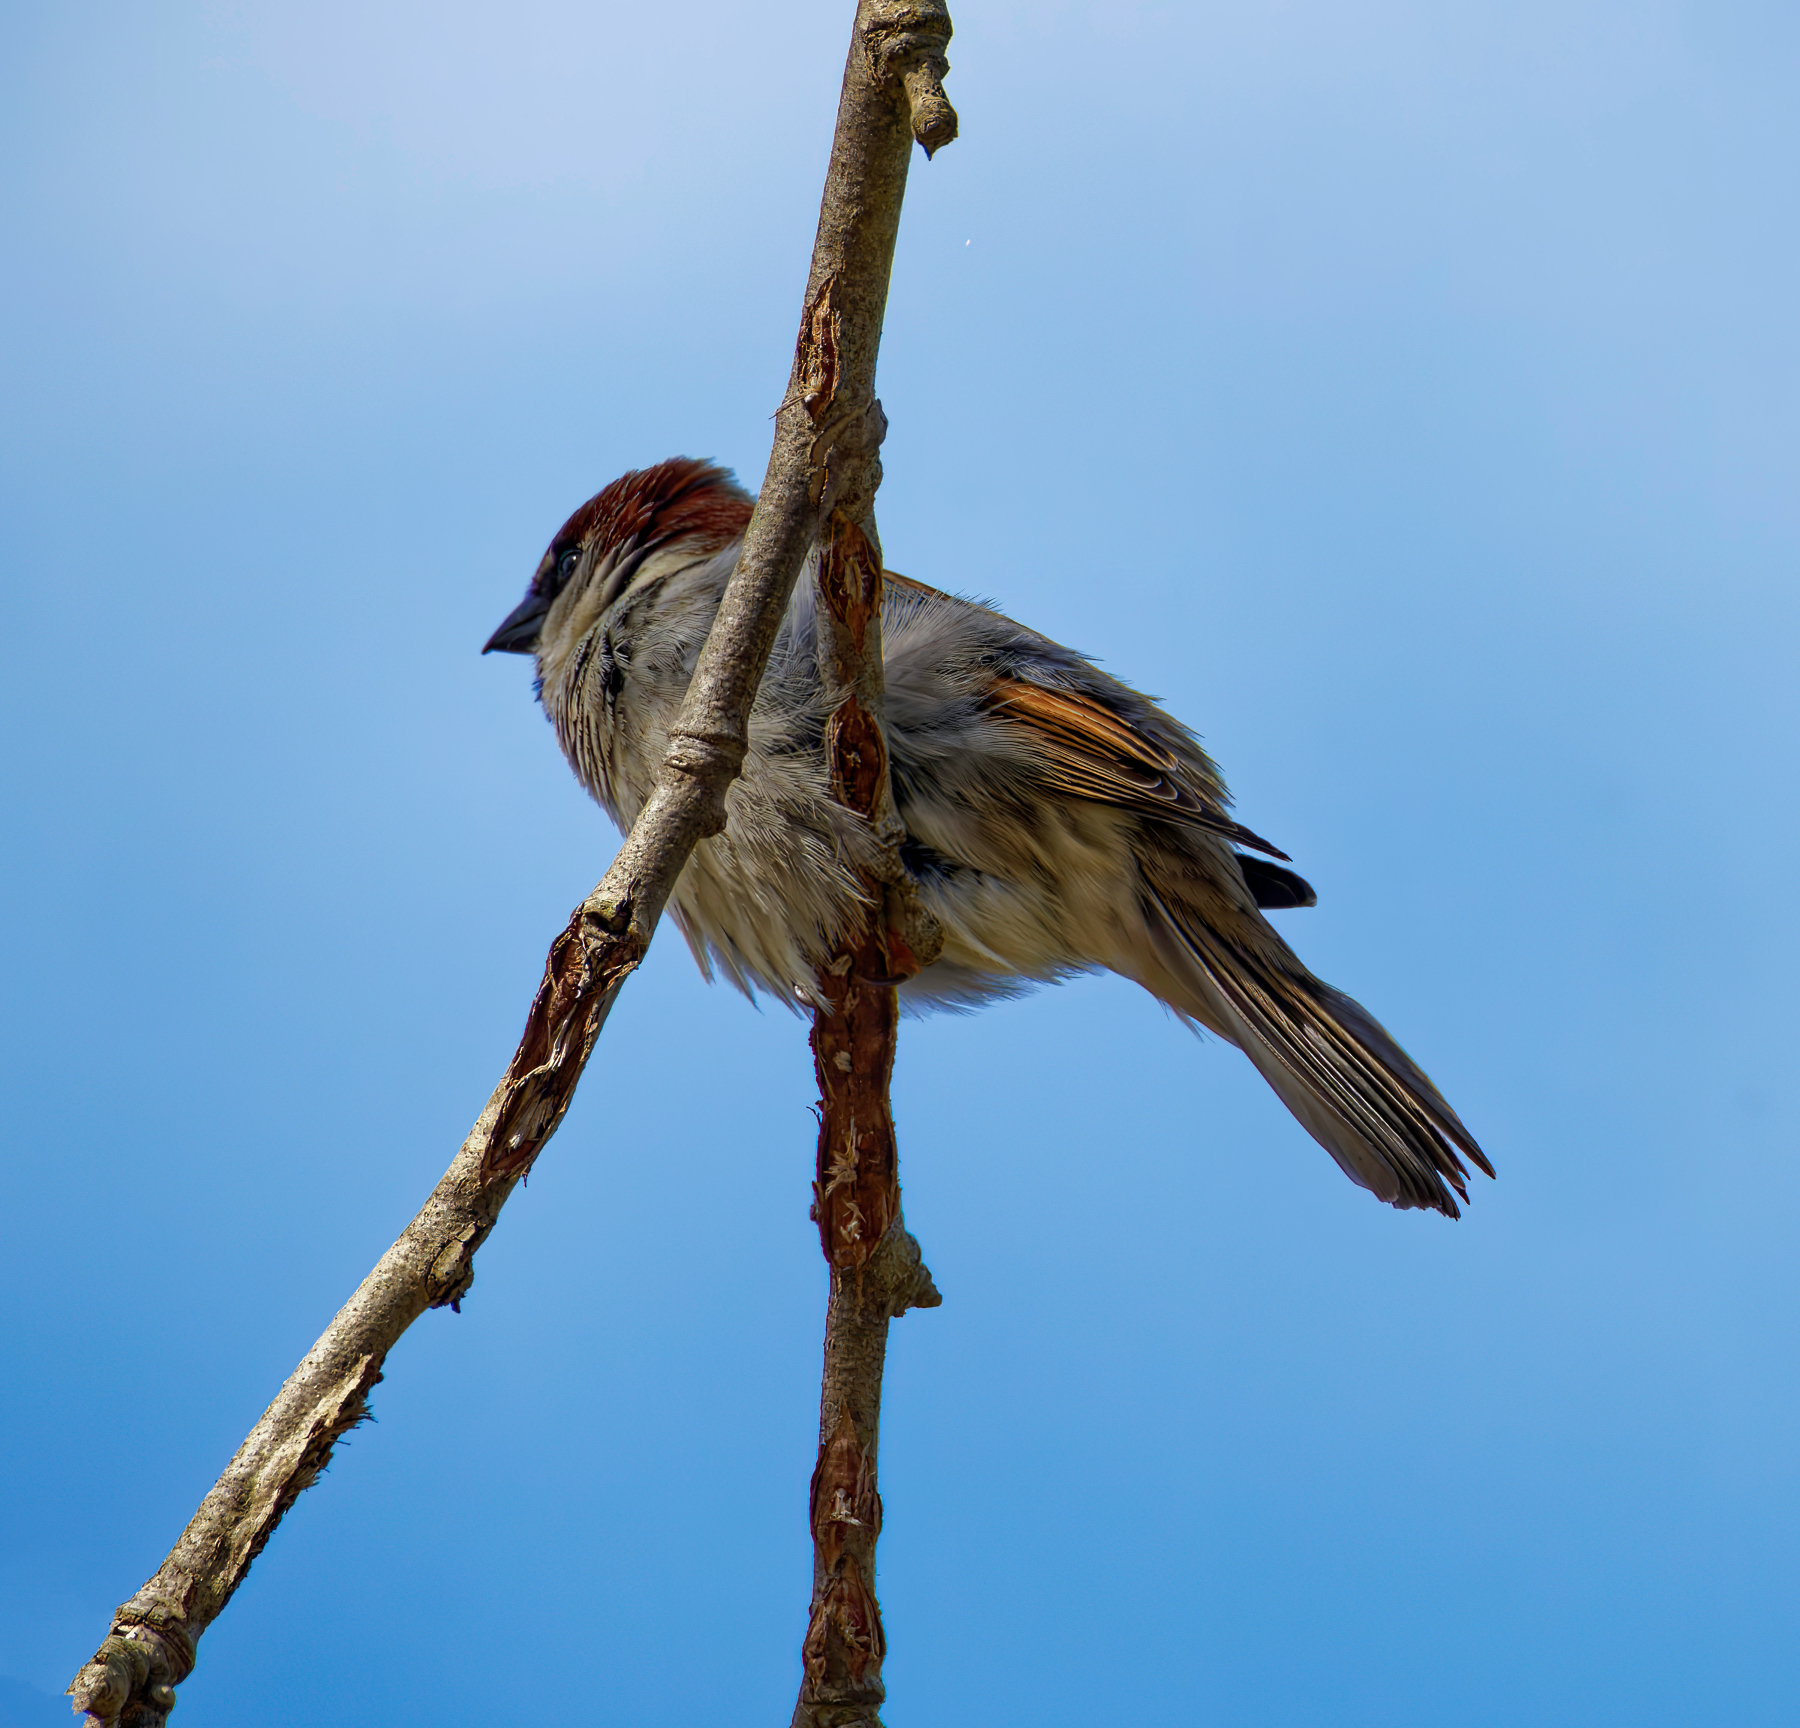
(597, 552)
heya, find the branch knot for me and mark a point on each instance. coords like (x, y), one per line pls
(712, 758)
(136, 1669)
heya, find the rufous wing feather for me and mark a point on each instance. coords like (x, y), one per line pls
(1091, 752)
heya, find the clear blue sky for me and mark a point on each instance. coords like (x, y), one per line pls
(1408, 393)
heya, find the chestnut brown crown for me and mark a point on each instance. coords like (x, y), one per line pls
(684, 498)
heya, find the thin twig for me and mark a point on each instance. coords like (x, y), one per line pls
(151, 1647)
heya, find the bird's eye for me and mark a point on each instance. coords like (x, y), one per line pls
(565, 565)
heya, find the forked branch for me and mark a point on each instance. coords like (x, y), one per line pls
(826, 435)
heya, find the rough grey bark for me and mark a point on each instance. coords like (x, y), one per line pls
(823, 468)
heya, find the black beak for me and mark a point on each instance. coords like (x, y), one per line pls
(518, 632)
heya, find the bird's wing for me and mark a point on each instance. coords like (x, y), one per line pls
(1086, 747)
(1089, 751)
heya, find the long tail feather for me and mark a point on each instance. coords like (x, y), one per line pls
(1329, 1060)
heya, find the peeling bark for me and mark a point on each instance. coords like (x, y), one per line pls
(892, 94)
(841, 1685)
(822, 472)
(856, 1196)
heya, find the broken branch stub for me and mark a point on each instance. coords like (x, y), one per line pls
(905, 41)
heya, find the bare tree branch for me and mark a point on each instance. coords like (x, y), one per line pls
(844, 1646)
(823, 470)
(892, 93)
(876, 1270)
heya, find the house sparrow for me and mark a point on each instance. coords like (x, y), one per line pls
(1056, 821)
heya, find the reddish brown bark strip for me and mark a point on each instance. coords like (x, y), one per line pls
(841, 1655)
(856, 1196)
(891, 94)
(586, 965)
